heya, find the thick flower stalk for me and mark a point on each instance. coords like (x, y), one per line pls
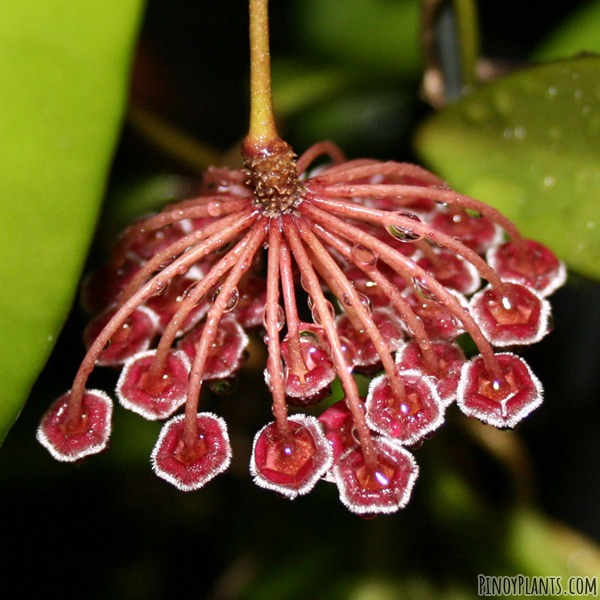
(394, 267)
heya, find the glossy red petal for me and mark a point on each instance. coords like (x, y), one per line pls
(450, 361)
(90, 438)
(154, 399)
(134, 336)
(530, 264)
(227, 351)
(214, 452)
(500, 403)
(292, 464)
(512, 317)
(407, 421)
(384, 490)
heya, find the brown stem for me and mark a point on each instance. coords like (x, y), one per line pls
(263, 131)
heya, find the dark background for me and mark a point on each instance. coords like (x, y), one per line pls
(109, 528)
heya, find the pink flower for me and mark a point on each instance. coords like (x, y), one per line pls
(373, 248)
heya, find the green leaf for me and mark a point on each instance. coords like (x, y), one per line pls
(578, 33)
(63, 67)
(378, 36)
(529, 144)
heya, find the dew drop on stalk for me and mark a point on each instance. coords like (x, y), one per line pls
(280, 316)
(348, 352)
(232, 301)
(363, 255)
(366, 303)
(158, 288)
(215, 208)
(423, 290)
(405, 234)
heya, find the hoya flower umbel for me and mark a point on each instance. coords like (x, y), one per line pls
(392, 265)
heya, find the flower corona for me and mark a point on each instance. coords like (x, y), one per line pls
(390, 262)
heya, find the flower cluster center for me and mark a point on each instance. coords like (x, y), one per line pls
(273, 176)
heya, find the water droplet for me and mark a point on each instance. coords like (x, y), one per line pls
(506, 303)
(348, 352)
(309, 336)
(520, 132)
(232, 301)
(304, 283)
(347, 300)
(549, 181)
(591, 224)
(402, 233)
(158, 288)
(182, 269)
(366, 303)
(553, 90)
(280, 315)
(363, 255)
(421, 287)
(215, 208)
(315, 313)
(496, 385)
(190, 290)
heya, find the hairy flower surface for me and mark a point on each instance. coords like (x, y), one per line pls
(385, 257)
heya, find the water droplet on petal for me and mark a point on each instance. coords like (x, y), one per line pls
(366, 303)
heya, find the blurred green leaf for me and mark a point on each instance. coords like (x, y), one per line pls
(63, 67)
(297, 86)
(529, 144)
(579, 33)
(540, 546)
(381, 36)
